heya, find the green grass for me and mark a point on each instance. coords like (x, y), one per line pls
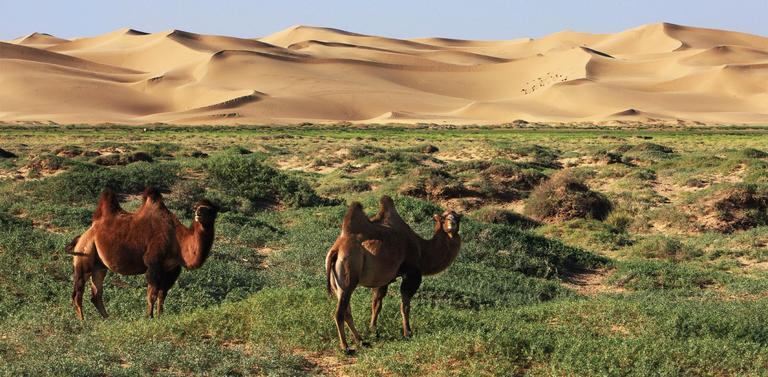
(675, 300)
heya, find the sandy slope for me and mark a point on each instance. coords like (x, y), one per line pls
(658, 72)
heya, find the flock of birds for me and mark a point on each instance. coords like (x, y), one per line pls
(542, 81)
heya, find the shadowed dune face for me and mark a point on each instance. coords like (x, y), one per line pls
(659, 72)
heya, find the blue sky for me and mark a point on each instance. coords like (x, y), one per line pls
(478, 19)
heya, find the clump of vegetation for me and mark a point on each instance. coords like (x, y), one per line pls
(114, 159)
(46, 164)
(360, 151)
(564, 197)
(535, 154)
(607, 157)
(753, 153)
(347, 186)
(499, 180)
(249, 178)
(662, 274)
(198, 154)
(160, 149)
(504, 178)
(739, 208)
(236, 149)
(433, 184)
(423, 148)
(646, 152)
(184, 194)
(505, 217)
(71, 151)
(651, 148)
(662, 247)
(83, 183)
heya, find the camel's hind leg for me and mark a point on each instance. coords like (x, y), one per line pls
(339, 316)
(97, 290)
(408, 288)
(378, 297)
(80, 276)
(343, 296)
(83, 250)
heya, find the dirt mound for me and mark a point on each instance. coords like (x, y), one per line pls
(736, 208)
(122, 158)
(434, 184)
(564, 197)
(70, 151)
(43, 165)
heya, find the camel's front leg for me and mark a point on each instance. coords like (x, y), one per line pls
(376, 302)
(351, 324)
(168, 280)
(408, 288)
(154, 280)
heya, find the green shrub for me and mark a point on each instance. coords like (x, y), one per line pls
(505, 217)
(434, 184)
(539, 155)
(360, 151)
(662, 247)
(248, 177)
(160, 149)
(85, 182)
(564, 197)
(659, 274)
(122, 158)
(753, 153)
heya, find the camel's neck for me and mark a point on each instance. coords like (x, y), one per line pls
(195, 243)
(439, 252)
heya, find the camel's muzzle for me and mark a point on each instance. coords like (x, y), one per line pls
(451, 224)
(202, 212)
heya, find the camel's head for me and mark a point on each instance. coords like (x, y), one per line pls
(448, 222)
(205, 212)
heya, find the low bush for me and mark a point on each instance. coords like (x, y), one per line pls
(564, 197)
(663, 247)
(505, 217)
(249, 178)
(83, 183)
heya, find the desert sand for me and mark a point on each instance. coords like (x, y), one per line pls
(653, 73)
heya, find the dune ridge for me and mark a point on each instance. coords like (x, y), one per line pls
(661, 72)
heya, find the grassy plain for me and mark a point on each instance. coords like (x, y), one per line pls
(671, 282)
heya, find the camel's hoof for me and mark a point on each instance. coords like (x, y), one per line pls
(348, 351)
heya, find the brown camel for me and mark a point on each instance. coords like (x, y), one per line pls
(150, 241)
(374, 252)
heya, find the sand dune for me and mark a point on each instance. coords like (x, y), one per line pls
(660, 72)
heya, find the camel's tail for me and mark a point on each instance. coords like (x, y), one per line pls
(70, 248)
(330, 268)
